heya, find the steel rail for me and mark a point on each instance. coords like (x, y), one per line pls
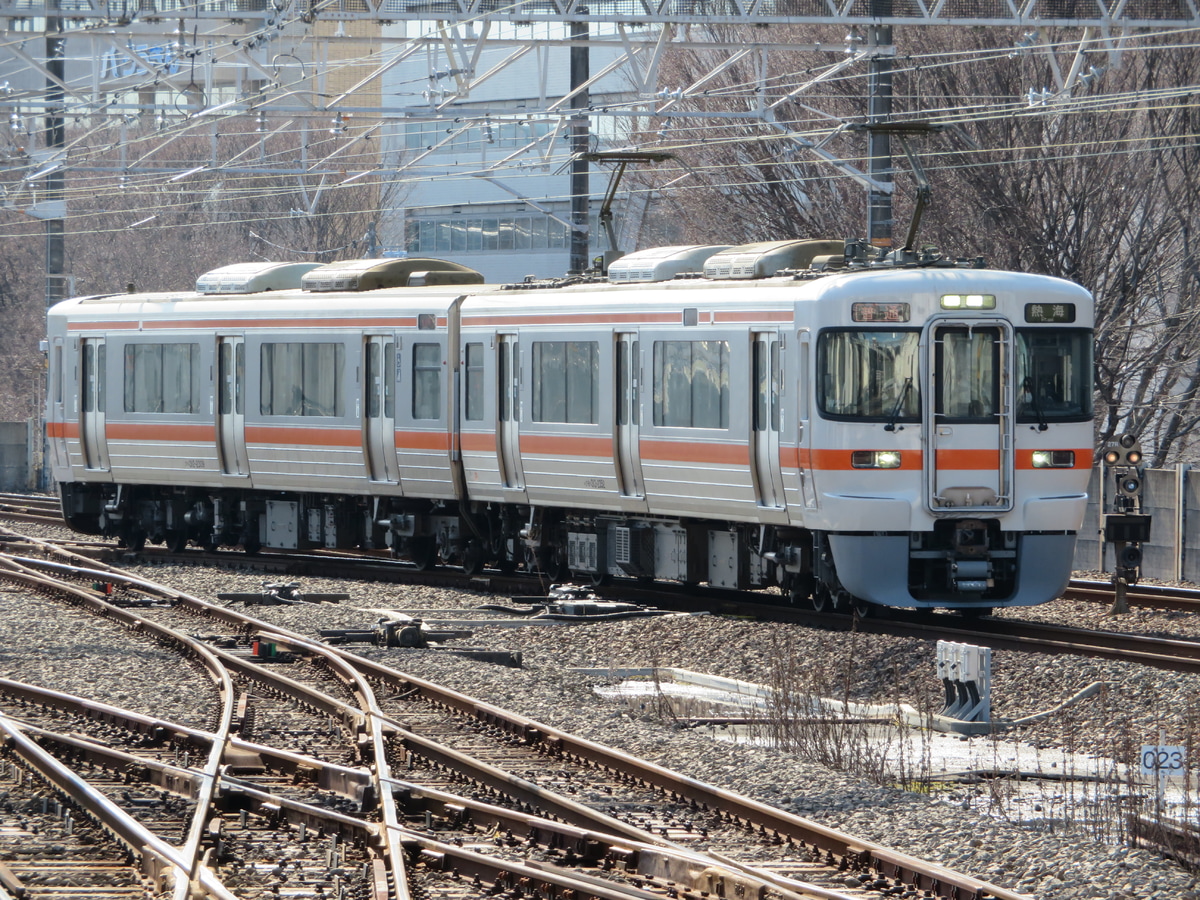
(158, 857)
(353, 784)
(1169, 654)
(185, 782)
(1150, 595)
(650, 860)
(892, 864)
(376, 725)
(865, 854)
(695, 871)
(217, 672)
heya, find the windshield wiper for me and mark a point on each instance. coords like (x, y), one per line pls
(891, 425)
(1041, 416)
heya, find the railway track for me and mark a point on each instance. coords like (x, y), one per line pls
(1006, 633)
(46, 509)
(530, 789)
(1172, 597)
(30, 508)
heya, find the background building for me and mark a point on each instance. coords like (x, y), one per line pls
(489, 181)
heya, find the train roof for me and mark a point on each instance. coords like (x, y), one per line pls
(353, 289)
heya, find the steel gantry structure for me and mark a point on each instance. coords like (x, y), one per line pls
(87, 60)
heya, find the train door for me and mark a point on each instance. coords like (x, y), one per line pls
(92, 395)
(231, 405)
(508, 410)
(969, 466)
(628, 394)
(765, 418)
(379, 408)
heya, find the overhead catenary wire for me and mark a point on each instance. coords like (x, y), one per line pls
(684, 137)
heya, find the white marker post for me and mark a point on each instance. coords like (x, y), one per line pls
(1162, 763)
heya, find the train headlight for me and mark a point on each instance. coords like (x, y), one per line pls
(875, 459)
(1054, 459)
(968, 301)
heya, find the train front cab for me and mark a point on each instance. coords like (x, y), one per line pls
(966, 439)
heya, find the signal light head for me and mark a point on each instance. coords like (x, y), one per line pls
(1131, 556)
(1129, 485)
(1126, 450)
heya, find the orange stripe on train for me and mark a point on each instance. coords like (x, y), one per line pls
(292, 436)
(160, 431)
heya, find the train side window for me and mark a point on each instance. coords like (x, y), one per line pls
(766, 385)
(776, 387)
(56, 372)
(239, 390)
(508, 380)
(474, 382)
(88, 401)
(231, 371)
(691, 384)
(372, 363)
(566, 382)
(761, 399)
(162, 378)
(101, 377)
(302, 379)
(224, 379)
(635, 399)
(389, 379)
(427, 381)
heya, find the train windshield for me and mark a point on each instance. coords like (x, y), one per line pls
(869, 374)
(1054, 375)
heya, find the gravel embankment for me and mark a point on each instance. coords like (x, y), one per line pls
(1044, 858)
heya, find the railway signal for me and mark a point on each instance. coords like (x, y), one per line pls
(1125, 526)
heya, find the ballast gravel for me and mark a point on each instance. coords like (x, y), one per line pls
(1048, 853)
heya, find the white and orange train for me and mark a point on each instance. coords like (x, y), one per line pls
(774, 414)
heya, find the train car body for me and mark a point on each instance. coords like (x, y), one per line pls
(911, 436)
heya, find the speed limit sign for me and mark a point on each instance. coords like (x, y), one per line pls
(1158, 761)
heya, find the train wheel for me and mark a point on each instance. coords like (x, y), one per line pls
(821, 601)
(132, 538)
(177, 540)
(423, 552)
(473, 558)
(548, 562)
(863, 609)
(798, 588)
